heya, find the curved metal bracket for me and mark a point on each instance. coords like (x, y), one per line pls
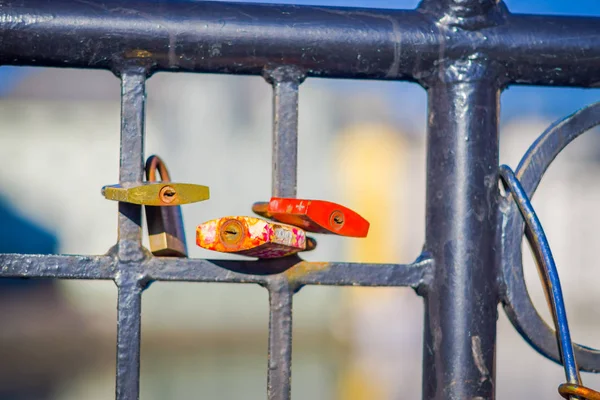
(516, 300)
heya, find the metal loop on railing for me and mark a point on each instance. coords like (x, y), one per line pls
(517, 303)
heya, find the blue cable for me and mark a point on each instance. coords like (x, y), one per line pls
(545, 260)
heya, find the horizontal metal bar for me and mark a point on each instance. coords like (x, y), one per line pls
(323, 41)
(302, 273)
(226, 271)
(57, 266)
(546, 50)
(209, 36)
(357, 274)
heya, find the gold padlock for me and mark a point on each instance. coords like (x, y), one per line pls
(165, 224)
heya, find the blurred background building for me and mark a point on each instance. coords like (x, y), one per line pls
(361, 144)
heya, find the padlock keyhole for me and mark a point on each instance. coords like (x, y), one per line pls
(232, 232)
(167, 194)
(336, 220)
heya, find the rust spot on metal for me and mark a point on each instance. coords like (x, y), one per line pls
(138, 53)
(305, 268)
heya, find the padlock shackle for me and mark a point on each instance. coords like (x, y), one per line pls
(154, 163)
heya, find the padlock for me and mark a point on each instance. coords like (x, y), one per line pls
(162, 200)
(252, 237)
(157, 193)
(317, 216)
(165, 224)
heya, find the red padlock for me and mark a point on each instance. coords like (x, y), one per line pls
(317, 216)
(252, 237)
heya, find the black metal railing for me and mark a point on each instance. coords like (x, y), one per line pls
(464, 52)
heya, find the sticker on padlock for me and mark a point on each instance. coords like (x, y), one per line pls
(316, 216)
(252, 237)
(165, 224)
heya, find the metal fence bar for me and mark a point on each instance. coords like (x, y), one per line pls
(129, 318)
(462, 51)
(130, 251)
(285, 81)
(462, 217)
(330, 42)
(57, 266)
(131, 170)
(280, 339)
(415, 275)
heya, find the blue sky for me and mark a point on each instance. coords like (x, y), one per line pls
(577, 7)
(517, 101)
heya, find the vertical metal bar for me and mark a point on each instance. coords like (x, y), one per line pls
(280, 340)
(129, 311)
(130, 234)
(131, 171)
(462, 190)
(285, 81)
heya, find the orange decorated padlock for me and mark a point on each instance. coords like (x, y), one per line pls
(317, 216)
(252, 237)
